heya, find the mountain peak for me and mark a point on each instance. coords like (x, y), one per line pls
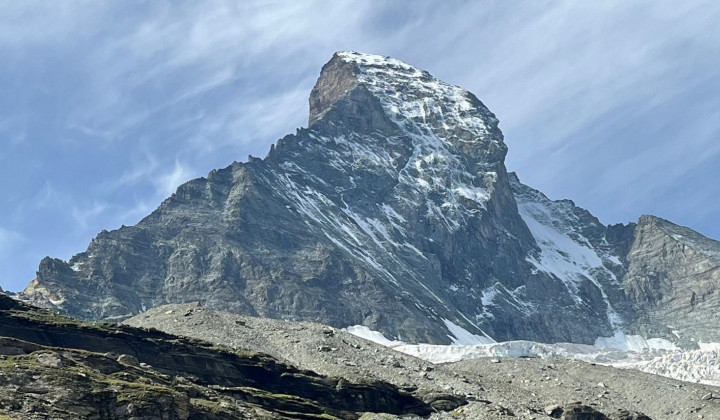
(408, 98)
(394, 211)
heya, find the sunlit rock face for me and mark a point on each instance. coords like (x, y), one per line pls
(674, 281)
(392, 210)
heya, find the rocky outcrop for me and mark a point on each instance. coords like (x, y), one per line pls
(55, 366)
(585, 412)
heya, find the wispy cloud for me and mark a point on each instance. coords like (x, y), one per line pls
(8, 239)
(13, 130)
(84, 215)
(142, 169)
(250, 127)
(167, 183)
(134, 213)
(46, 197)
(188, 51)
(31, 23)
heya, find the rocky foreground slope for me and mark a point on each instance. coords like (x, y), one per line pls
(495, 388)
(54, 367)
(394, 210)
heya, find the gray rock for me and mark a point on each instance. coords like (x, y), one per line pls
(581, 412)
(127, 360)
(554, 411)
(673, 279)
(49, 359)
(443, 401)
(628, 415)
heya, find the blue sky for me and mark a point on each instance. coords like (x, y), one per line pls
(107, 107)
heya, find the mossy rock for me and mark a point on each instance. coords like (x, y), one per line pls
(74, 364)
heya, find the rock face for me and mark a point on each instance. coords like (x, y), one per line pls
(56, 367)
(393, 210)
(673, 278)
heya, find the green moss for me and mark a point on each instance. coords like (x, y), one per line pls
(98, 381)
(206, 405)
(139, 386)
(376, 416)
(50, 318)
(285, 404)
(307, 416)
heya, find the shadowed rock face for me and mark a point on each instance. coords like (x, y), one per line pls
(111, 371)
(393, 210)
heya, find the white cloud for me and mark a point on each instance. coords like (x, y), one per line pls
(8, 239)
(46, 197)
(203, 46)
(137, 212)
(30, 23)
(142, 169)
(250, 128)
(85, 215)
(167, 183)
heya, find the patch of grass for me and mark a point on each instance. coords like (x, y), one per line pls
(211, 406)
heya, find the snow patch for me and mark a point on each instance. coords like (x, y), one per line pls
(478, 195)
(487, 296)
(560, 255)
(700, 366)
(454, 353)
(709, 346)
(615, 260)
(56, 302)
(570, 259)
(422, 97)
(652, 355)
(371, 335)
(460, 336)
(634, 343)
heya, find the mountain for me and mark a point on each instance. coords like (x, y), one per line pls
(394, 210)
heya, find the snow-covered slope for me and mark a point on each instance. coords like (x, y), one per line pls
(701, 366)
(655, 356)
(574, 248)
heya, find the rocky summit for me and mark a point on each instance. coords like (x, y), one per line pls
(394, 210)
